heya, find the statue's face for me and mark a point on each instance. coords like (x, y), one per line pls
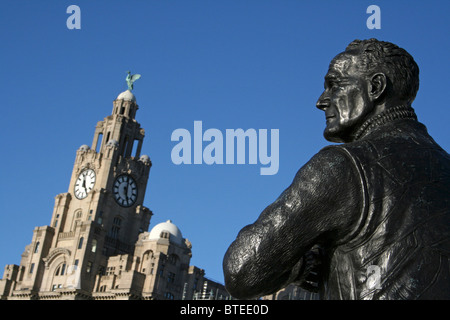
(345, 99)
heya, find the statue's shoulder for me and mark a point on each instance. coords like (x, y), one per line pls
(346, 149)
(332, 160)
(349, 155)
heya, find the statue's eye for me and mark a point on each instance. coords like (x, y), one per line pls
(330, 84)
(335, 84)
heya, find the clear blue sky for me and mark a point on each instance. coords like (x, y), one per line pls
(231, 64)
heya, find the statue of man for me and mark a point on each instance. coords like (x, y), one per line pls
(365, 219)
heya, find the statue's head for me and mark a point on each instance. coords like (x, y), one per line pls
(369, 77)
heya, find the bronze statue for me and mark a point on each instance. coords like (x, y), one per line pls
(365, 219)
(130, 79)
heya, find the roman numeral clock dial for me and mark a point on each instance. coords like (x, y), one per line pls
(125, 190)
(85, 182)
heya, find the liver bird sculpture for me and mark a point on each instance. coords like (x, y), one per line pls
(130, 79)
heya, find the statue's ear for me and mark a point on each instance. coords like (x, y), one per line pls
(377, 86)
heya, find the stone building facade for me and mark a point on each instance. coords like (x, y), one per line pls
(97, 246)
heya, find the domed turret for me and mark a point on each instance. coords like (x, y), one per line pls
(158, 230)
(126, 95)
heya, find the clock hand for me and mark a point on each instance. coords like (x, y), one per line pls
(125, 191)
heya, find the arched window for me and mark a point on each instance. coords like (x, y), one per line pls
(99, 138)
(59, 275)
(60, 270)
(147, 255)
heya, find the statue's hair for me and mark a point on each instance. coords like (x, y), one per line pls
(396, 63)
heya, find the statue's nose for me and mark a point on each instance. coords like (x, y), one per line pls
(323, 102)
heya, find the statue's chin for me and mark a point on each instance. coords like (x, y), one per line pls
(333, 137)
(337, 137)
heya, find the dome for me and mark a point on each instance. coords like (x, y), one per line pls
(126, 95)
(168, 226)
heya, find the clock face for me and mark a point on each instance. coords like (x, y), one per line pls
(84, 183)
(125, 190)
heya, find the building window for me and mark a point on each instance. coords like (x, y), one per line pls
(125, 146)
(78, 214)
(169, 296)
(107, 137)
(110, 271)
(146, 257)
(55, 224)
(171, 277)
(195, 284)
(32, 268)
(165, 235)
(60, 270)
(89, 267)
(63, 269)
(36, 248)
(116, 227)
(100, 217)
(94, 245)
(80, 243)
(101, 270)
(98, 142)
(173, 259)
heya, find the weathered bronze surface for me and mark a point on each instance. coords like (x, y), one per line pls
(131, 79)
(365, 219)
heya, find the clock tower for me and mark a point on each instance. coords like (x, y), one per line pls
(101, 215)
